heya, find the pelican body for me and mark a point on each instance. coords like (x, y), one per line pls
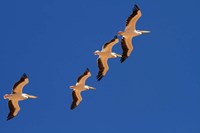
(17, 96)
(104, 55)
(130, 32)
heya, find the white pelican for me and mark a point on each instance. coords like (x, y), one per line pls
(79, 87)
(16, 96)
(104, 55)
(130, 32)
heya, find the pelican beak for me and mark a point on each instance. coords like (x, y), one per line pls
(118, 55)
(30, 96)
(145, 32)
(71, 87)
(92, 88)
(95, 52)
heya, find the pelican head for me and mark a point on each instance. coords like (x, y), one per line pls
(6, 96)
(145, 31)
(97, 52)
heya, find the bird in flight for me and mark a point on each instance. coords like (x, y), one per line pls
(104, 55)
(16, 96)
(130, 32)
(79, 87)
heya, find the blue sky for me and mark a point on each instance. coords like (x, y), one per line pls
(156, 90)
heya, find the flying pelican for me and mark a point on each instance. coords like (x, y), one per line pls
(104, 55)
(16, 96)
(130, 32)
(79, 87)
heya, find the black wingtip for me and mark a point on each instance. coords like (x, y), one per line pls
(136, 7)
(115, 37)
(87, 69)
(72, 107)
(24, 75)
(99, 77)
(10, 117)
(123, 59)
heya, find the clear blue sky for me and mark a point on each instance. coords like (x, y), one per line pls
(156, 90)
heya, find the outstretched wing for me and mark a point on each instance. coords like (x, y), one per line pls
(81, 79)
(103, 67)
(108, 46)
(127, 48)
(76, 95)
(14, 109)
(18, 87)
(133, 18)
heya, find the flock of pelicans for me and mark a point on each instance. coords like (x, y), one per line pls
(106, 53)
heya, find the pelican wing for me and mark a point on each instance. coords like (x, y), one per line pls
(133, 18)
(17, 88)
(108, 46)
(14, 109)
(103, 67)
(127, 48)
(81, 79)
(77, 98)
